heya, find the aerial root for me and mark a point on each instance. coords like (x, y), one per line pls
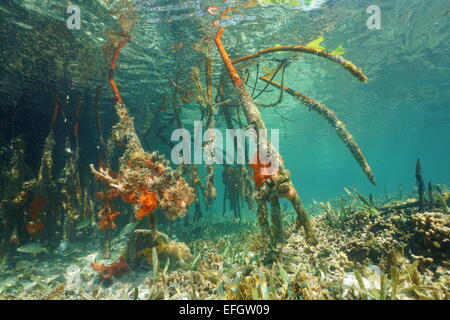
(253, 117)
(357, 72)
(331, 117)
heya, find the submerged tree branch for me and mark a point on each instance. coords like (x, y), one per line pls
(331, 117)
(357, 72)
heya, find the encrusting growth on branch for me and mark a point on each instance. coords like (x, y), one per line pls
(357, 72)
(315, 105)
(337, 124)
(144, 180)
(210, 190)
(190, 171)
(205, 98)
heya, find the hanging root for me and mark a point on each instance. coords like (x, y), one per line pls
(420, 186)
(280, 97)
(336, 58)
(113, 67)
(277, 221)
(330, 116)
(101, 142)
(239, 177)
(55, 112)
(205, 98)
(262, 197)
(190, 171)
(210, 191)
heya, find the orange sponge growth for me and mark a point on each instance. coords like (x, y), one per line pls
(35, 228)
(116, 269)
(149, 202)
(130, 197)
(107, 218)
(258, 177)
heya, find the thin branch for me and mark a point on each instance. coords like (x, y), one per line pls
(256, 79)
(272, 77)
(339, 126)
(280, 97)
(284, 124)
(357, 72)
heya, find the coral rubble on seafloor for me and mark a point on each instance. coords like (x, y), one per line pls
(397, 255)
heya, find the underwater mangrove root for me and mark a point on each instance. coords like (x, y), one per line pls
(276, 218)
(126, 16)
(439, 200)
(230, 179)
(189, 171)
(210, 191)
(430, 196)
(144, 179)
(192, 174)
(357, 72)
(123, 135)
(55, 112)
(262, 196)
(420, 186)
(71, 191)
(15, 198)
(29, 203)
(237, 181)
(148, 183)
(254, 118)
(280, 97)
(337, 124)
(76, 128)
(112, 83)
(205, 98)
(101, 141)
(42, 190)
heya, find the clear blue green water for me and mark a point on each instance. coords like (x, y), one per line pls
(398, 116)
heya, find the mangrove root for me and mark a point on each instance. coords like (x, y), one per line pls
(337, 124)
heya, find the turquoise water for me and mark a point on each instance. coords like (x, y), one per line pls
(399, 115)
